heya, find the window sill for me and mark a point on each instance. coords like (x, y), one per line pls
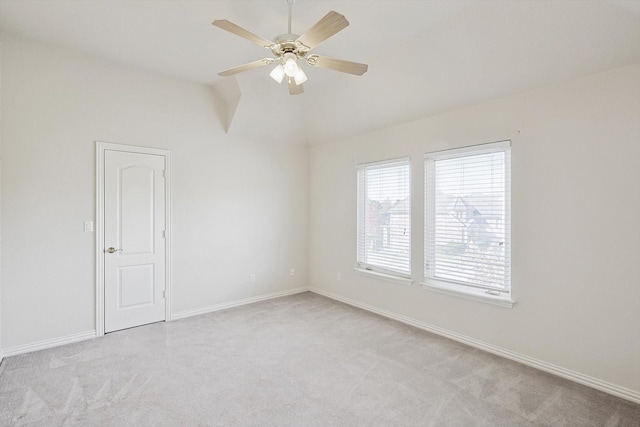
(382, 276)
(468, 293)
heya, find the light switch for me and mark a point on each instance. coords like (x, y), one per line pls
(88, 226)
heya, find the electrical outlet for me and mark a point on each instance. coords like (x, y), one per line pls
(252, 278)
(338, 276)
(293, 271)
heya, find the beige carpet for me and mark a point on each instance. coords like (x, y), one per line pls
(302, 360)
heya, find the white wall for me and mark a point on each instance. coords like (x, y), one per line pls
(239, 206)
(576, 224)
(1, 354)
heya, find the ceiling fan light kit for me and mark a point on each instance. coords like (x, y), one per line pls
(288, 48)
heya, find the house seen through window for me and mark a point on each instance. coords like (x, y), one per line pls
(384, 217)
(467, 219)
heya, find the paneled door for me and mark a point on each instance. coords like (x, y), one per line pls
(134, 239)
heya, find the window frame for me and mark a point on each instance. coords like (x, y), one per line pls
(453, 287)
(368, 269)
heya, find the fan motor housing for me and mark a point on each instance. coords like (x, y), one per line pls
(288, 43)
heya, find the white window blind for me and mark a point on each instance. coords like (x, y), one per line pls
(384, 217)
(468, 217)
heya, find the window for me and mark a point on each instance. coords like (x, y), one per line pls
(384, 218)
(467, 221)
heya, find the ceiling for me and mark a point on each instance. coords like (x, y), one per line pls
(425, 57)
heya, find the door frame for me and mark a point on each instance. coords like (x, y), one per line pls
(101, 147)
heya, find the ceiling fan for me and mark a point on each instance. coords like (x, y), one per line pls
(288, 48)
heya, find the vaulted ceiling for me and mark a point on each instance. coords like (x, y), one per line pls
(424, 57)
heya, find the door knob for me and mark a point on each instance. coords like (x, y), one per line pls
(112, 250)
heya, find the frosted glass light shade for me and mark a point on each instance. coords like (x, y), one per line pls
(290, 64)
(300, 77)
(277, 73)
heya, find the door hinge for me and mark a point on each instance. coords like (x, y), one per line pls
(164, 233)
(163, 173)
(164, 294)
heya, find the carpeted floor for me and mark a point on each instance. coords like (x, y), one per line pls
(302, 360)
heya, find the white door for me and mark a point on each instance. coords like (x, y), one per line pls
(134, 252)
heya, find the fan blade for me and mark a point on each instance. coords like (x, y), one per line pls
(239, 31)
(295, 89)
(332, 23)
(337, 64)
(245, 67)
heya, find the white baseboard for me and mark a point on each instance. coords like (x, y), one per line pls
(577, 377)
(236, 303)
(53, 342)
